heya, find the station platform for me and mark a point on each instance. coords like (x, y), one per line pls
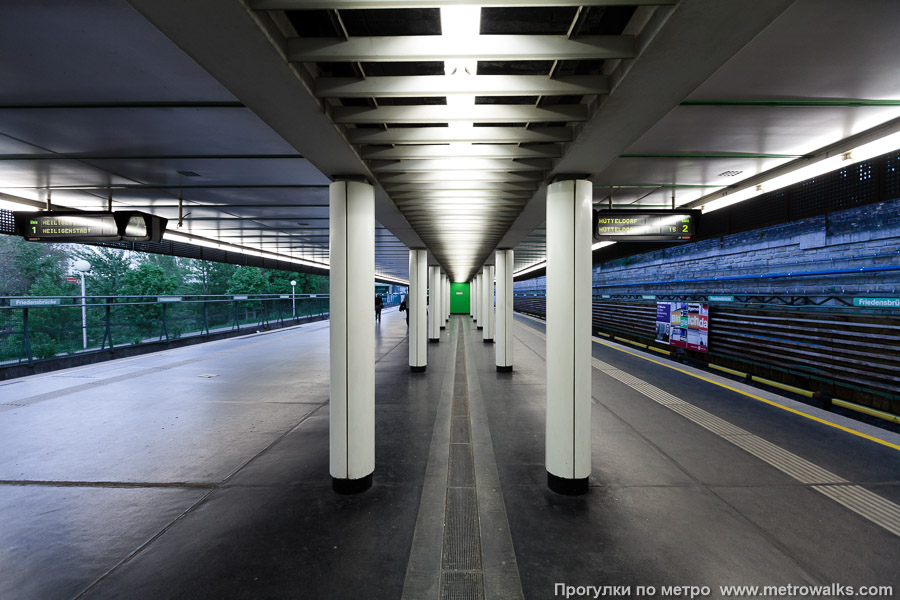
(202, 472)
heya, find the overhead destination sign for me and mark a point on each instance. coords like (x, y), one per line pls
(645, 225)
(83, 226)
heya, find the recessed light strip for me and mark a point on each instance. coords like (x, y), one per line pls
(854, 149)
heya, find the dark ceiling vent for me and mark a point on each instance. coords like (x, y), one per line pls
(729, 173)
(188, 173)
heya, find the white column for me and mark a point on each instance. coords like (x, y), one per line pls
(569, 336)
(472, 297)
(487, 304)
(504, 337)
(434, 304)
(444, 298)
(352, 335)
(447, 298)
(415, 304)
(478, 292)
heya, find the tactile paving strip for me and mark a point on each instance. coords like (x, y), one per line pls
(461, 569)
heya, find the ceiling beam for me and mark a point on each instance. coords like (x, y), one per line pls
(122, 105)
(416, 48)
(385, 4)
(186, 186)
(76, 156)
(479, 113)
(461, 186)
(439, 135)
(486, 176)
(449, 85)
(399, 197)
(435, 204)
(249, 63)
(689, 44)
(461, 164)
(474, 151)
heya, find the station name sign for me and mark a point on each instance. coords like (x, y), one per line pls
(645, 225)
(85, 226)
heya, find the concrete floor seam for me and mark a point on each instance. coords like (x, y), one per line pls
(110, 484)
(137, 551)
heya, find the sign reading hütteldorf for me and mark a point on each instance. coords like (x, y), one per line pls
(90, 226)
(645, 225)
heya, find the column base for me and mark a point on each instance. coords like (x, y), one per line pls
(417, 369)
(434, 340)
(506, 369)
(351, 486)
(443, 327)
(489, 340)
(567, 487)
(480, 327)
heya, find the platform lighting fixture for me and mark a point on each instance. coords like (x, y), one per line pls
(543, 263)
(207, 243)
(460, 24)
(838, 160)
(10, 202)
(83, 267)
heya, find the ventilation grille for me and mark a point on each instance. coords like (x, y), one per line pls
(7, 222)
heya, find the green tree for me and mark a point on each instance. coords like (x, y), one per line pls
(208, 278)
(24, 264)
(148, 280)
(109, 266)
(281, 282)
(172, 266)
(249, 280)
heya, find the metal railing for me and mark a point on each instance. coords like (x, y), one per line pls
(33, 329)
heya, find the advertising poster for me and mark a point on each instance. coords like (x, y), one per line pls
(662, 322)
(683, 325)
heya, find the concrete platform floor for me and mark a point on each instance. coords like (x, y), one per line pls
(202, 472)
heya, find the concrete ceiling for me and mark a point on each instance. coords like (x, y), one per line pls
(248, 109)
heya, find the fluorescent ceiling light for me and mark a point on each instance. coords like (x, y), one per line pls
(543, 263)
(460, 24)
(208, 243)
(7, 205)
(826, 164)
(392, 279)
(10, 202)
(531, 269)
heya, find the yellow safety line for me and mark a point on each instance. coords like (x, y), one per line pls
(866, 410)
(727, 370)
(749, 395)
(783, 386)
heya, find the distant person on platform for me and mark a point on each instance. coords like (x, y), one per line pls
(379, 304)
(405, 307)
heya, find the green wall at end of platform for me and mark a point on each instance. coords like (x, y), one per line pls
(459, 298)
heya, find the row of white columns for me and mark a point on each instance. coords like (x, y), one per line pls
(352, 353)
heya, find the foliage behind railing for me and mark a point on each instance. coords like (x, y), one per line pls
(42, 328)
